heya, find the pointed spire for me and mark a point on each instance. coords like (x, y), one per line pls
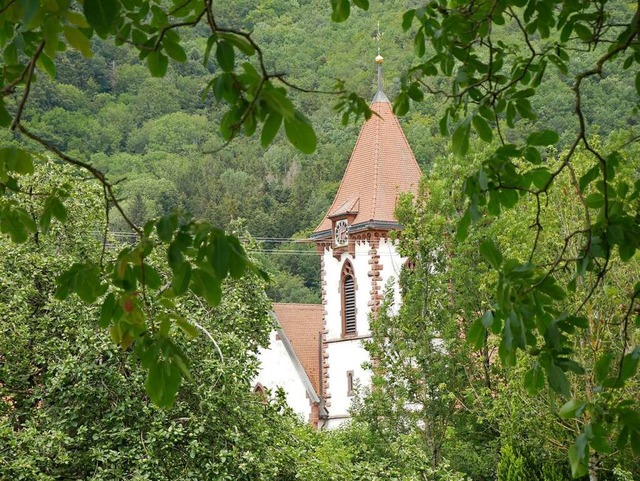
(380, 96)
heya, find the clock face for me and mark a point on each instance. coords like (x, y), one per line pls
(340, 233)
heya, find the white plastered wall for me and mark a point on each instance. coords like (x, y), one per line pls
(392, 264)
(346, 356)
(277, 370)
(350, 355)
(333, 271)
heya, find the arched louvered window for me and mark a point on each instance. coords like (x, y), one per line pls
(348, 300)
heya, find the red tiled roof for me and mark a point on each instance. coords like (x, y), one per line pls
(302, 324)
(382, 166)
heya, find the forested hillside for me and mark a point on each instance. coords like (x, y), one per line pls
(160, 136)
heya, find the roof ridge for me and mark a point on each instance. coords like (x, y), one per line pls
(381, 166)
(404, 137)
(296, 304)
(335, 204)
(376, 168)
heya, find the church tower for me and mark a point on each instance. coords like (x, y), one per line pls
(359, 260)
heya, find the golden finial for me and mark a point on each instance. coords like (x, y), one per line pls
(380, 96)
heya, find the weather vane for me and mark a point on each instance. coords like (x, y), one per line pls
(378, 38)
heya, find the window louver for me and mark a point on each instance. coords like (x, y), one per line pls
(349, 306)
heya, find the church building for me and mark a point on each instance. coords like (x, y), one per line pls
(316, 354)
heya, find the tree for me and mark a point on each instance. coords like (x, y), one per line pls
(200, 256)
(72, 403)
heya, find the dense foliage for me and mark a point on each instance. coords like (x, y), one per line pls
(438, 385)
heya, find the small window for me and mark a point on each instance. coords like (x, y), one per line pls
(259, 391)
(349, 383)
(348, 300)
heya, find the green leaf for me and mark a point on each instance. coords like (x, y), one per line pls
(151, 277)
(638, 83)
(489, 250)
(545, 137)
(52, 207)
(415, 93)
(107, 311)
(550, 287)
(225, 54)
(589, 176)
(476, 334)
(482, 128)
(16, 160)
(579, 457)
(163, 381)
(363, 4)
(584, 32)
(601, 368)
(534, 380)
(635, 441)
(571, 409)
(626, 251)
(17, 223)
(46, 64)
(51, 31)
(207, 286)
(533, 155)
(401, 104)
(540, 177)
(629, 365)
(181, 278)
(175, 255)
(157, 62)
(340, 10)
(419, 46)
(101, 14)
(487, 319)
(598, 440)
(207, 51)
(78, 40)
(5, 116)
(29, 10)
(77, 19)
(270, 128)
(623, 437)
(443, 124)
(188, 328)
(407, 19)
(558, 380)
(460, 139)
(301, 134)
(238, 262)
(507, 197)
(166, 226)
(219, 255)
(180, 362)
(239, 42)
(84, 280)
(511, 114)
(463, 226)
(174, 50)
(595, 200)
